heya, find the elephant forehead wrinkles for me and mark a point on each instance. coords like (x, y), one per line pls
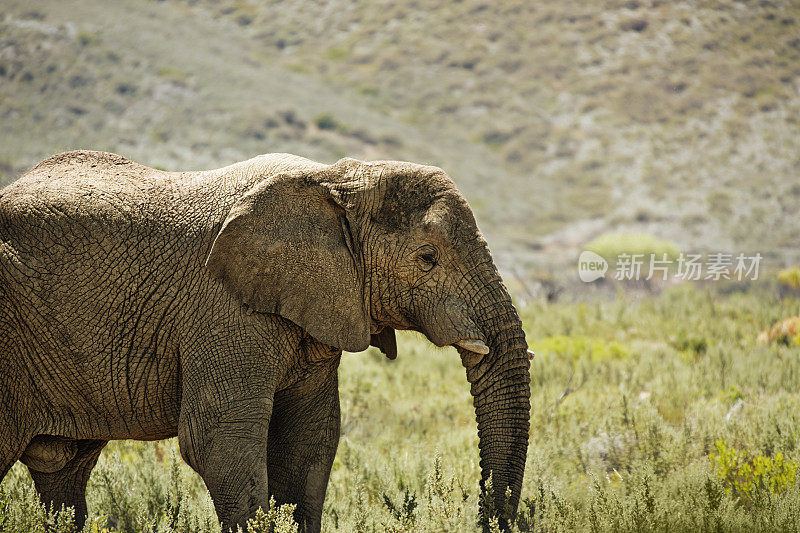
(406, 202)
(452, 215)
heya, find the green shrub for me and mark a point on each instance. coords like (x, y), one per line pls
(326, 121)
(748, 477)
(403, 513)
(731, 395)
(244, 13)
(696, 345)
(86, 39)
(612, 245)
(579, 347)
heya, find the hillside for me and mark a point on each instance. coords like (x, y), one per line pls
(559, 121)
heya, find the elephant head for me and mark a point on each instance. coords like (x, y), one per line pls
(352, 251)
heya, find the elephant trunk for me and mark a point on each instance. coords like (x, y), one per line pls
(500, 386)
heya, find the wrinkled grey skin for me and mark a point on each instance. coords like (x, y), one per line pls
(141, 304)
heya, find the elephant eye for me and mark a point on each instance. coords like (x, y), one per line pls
(427, 257)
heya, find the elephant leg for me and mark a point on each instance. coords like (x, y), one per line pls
(67, 485)
(14, 432)
(10, 452)
(303, 437)
(231, 458)
(12, 444)
(228, 449)
(227, 391)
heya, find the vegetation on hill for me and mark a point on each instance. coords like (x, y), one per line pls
(559, 120)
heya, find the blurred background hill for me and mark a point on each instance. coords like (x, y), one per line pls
(560, 121)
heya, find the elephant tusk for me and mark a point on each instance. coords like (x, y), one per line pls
(474, 345)
(531, 355)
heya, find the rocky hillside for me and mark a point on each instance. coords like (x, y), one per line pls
(560, 121)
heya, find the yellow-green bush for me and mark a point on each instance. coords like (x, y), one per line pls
(579, 347)
(790, 277)
(277, 519)
(747, 476)
(612, 245)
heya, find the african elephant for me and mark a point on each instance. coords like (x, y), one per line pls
(142, 304)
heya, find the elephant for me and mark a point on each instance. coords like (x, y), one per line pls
(214, 306)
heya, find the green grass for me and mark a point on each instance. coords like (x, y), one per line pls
(676, 421)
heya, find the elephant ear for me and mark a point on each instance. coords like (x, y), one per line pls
(385, 341)
(287, 248)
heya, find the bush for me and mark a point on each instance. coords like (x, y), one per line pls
(612, 245)
(790, 278)
(86, 39)
(326, 121)
(578, 347)
(277, 519)
(696, 345)
(749, 477)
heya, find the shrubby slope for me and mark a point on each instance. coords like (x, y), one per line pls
(559, 120)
